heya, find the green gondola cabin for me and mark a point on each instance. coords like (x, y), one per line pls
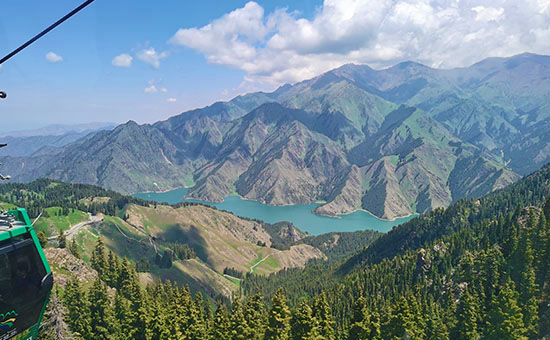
(25, 277)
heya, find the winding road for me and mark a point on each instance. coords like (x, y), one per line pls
(262, 260)
(75, 228)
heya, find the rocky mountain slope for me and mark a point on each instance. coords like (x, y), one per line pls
(191, 244)
(406, 139)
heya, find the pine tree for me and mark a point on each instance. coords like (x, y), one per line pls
(61, 240)
(436, 329)
(73, 248)
(98, 258)
(467, 328)
(542, 249)
(128, 283)
(278, 324)
(158, 323)
(54, 326)
(197, 324)
(112, 269)
(140, 308)
(238, 322)
(364, 325)
(78, 313)
(546, 209)
(505, 318)
(303, 325)
(42, 238)
(179, 303)
(220, 325)
(100, 311)
(255, 317)
(322, 312)
(402, 323)
(124, 317)
(527, 287)
(417, 329)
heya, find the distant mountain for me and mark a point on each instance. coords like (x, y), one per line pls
(59, 129)
(498, 104)
(46, 140)
(397, 141)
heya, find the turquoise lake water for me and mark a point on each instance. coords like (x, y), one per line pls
(300, 215)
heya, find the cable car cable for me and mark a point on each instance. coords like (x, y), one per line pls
(20, 248)
(3, 94)
(44, 32)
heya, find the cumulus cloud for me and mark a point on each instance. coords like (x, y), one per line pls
(171, 100)
(152, 57)
(51, 57)
(152, 86)
(281, 46)
(123, 60)
(151, 89)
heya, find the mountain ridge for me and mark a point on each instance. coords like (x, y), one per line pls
(396, 141)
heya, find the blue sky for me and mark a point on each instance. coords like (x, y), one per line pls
(85, 86)
(148, 60)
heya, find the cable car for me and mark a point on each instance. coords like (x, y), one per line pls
(25, 277)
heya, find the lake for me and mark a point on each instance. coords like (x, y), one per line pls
(300, 215)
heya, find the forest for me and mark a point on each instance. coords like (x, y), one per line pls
(488, 282)
(477, 270)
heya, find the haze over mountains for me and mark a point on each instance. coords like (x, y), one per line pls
(47, 139)
(396, 141)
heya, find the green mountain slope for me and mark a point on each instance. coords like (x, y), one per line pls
(451, 274)
(190, 244)
(493, 104)
(402, 140)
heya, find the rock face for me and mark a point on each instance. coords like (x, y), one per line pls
(348, 199)
(397, 141)
(67, 263)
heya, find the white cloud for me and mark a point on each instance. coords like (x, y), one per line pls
(281, 47)
(51, 57)
(152, 57)
(123, 60)
(488, 13)
(151, 89)
(171, 100)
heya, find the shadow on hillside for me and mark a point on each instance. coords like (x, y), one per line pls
(123, 246)
(189, 235)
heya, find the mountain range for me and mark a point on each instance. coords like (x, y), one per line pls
(46, 140)
(396, 141)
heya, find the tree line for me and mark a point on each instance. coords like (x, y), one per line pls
(44, 193)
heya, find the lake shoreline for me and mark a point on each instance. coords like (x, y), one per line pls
(157, 191)
(301, 215)
(368, 212)
(320, 203)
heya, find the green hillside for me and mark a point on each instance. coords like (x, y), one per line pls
(190, 244)
(402, 140)
(477, 270)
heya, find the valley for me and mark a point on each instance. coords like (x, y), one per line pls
(188, 243)
(421, 276)
(277, 170)
(398, 141)
(302, 216)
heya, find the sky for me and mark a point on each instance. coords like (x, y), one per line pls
(149, 60)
